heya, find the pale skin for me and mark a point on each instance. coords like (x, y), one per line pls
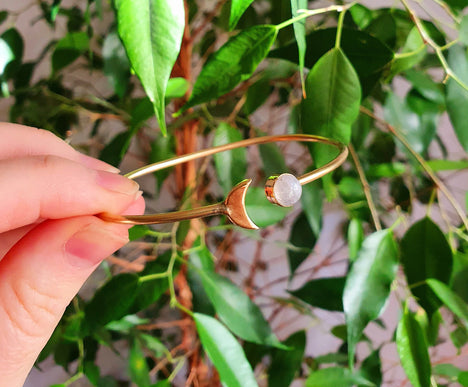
(50, 240)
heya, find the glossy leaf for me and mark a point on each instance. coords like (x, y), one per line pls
(176, 88)
(272, 159)
(241, 315)
(425, 253)
(355, 238)
(371, 368)
(231, 166)
(162, 148)
(312, 203)
(368, 284)
(116, 65)
(137, 366)
(418, 127)
(151, 32)
(233, 63)
(300, 34)
(225, 352)
(150, 291)
(261, 211)
(412, 53)
(456, 96)
(325, 293)
(412, 349)
(450, 299)
(332, 104)
(112, 301)
(285, 364)
(303, 238)
(368, 55)
(68, 49)
(238, 7)
(335, 377)
(463, 31)
(200, 259)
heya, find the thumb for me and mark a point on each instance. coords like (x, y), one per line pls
(38, 279)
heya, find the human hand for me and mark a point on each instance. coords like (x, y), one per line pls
(50, 242)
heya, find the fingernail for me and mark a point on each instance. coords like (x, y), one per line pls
(93, 163)
(117, 183)
(92, 244)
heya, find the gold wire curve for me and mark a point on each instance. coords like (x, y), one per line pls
(234, 204)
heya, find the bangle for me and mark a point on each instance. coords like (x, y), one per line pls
(284, 189)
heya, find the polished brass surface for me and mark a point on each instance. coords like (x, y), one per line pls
(234, 204)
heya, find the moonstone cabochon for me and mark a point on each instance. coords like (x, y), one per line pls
(287, 190)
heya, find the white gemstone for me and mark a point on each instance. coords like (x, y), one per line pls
(287, 190)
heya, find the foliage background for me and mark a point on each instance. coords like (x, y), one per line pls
(77, 82)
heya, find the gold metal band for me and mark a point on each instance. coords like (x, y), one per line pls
(234, 204)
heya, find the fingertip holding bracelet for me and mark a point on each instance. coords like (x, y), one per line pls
(283, 190)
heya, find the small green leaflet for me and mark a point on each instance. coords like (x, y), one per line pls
(300, 34)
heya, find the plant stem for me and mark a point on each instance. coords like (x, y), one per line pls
(437, 49)
(312, 12)
(339, 28)
(443, 188)
(365, 187)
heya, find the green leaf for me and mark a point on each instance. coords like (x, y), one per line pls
(371, 368)
(260, 210)
(300, 34)
(176, 88)
(446, 370)
(237, 310)
(68, 49)
(335, 377)
(200, 258)
(3, 16)
(152, 32)
(447, 165)
(234, 62)
(137, 366)
(257, 94)
(412, 349)
(425, 253)
(418, 127)
(463, 31)
(361, 15)
(411, 54)
(231, 166)
(238, 7)
(456, 97)
(303, 239)
(152, 344)
(285, 364)
(116, 65)
(312, 203)
(325, 293)
(368, 284)
(355, 238)
(368, 55)
(272, 158)
(162, 148)
(225, 352)
(112, 301)
(138, 232)
(454, 302)
(6, 55)
(150, 291)
(114, 152)
(463, 378)
(332, 105)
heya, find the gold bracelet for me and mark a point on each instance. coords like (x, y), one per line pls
(284, 189)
